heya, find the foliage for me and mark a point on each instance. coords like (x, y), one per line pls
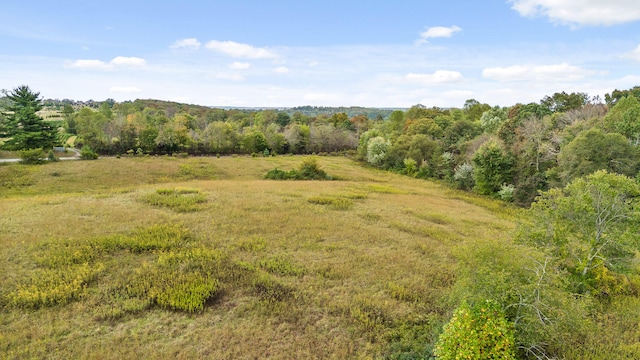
(32, 156)
(21, 124)
(493, 167)
(506, 192)
(563, 102)
(86, 153)
(595, 150)
(478, 331)
(492, 119)
(377, 149)
(591, 223)
(464, 177)
(308, 170)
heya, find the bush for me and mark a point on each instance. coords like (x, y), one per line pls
(308, 170)
(463, 176)
(32, 156)
(506, 192)
(87, 154)
(480, 331)
(52, 156)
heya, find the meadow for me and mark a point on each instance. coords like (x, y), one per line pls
(182, 258)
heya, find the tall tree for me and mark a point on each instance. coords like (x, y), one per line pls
(591, 223)
(22, 125)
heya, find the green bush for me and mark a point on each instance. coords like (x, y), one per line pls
(51, 156)
(480, 331)
(87, 154)
(32, 156)
(308, 170)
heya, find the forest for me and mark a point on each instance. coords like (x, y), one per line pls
(474, 232)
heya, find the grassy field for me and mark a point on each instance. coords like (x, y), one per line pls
(201, 258)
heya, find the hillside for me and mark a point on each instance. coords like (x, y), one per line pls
(358, 267)
(165, 257)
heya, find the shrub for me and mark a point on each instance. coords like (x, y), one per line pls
(480, 331)
(87, 154)
(308, 170)
(506, 192)
(32, 156)
(377, 149)
(410, 166)
(51, 156)
(463, 176)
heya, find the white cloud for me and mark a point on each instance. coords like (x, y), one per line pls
(238, 50)
(85, 64)
(437, 32)
(438, 77)
(90, 65)
(239, 65)
(229, 76)
(555, 73)
(129, 61)
(281, 70)
(189, 44)
(124, 89)
(580, 12)
(633, 55)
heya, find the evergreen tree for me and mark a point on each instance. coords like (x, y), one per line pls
(22, 125)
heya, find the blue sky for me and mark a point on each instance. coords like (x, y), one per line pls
(326, 53)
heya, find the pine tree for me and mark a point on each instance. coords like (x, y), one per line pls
(23, 127)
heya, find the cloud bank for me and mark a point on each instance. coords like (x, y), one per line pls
(580, 12)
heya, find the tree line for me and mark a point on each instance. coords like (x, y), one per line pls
(508, 152)
(511, 152)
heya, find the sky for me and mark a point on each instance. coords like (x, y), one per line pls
(285, 53)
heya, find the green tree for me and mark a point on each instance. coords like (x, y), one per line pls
(562, 102)
(616, 95)
(492, 119)
(23, 127)
(473, 109)
(591, 223)
(377, 149)
(594, 150)
(493, 167)
(479, 331)
(220, 137)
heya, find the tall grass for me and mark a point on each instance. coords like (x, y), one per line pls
(361, 267)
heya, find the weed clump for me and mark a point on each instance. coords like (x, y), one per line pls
(308, 170)
(180, 199)
(335, 203)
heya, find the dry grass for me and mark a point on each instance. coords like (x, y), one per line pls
(365, 274)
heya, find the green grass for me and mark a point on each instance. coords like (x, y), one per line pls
(361, 267)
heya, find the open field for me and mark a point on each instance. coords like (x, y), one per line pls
(360, 267)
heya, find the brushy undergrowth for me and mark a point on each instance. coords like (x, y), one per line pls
(308, 170)
(179, 199)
